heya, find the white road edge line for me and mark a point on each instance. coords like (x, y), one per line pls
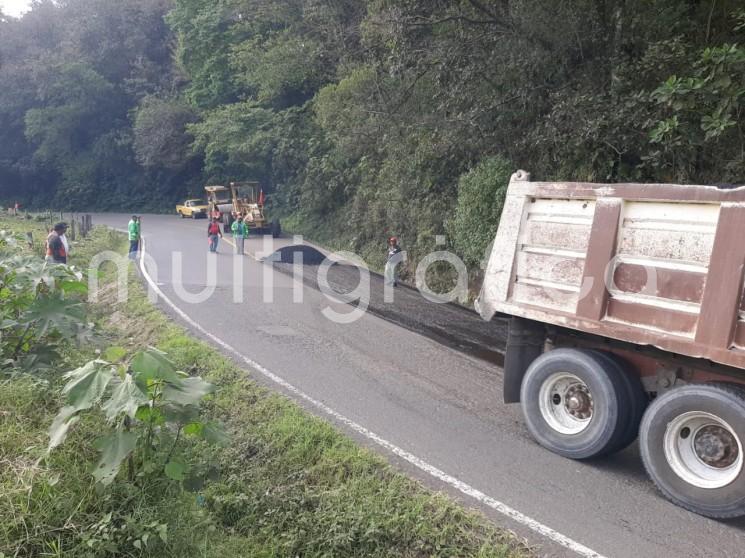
(461, 486)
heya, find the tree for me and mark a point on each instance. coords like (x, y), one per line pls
(374, 113)
(72, 72)
(160, 136)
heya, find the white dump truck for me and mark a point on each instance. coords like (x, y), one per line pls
(627, 318)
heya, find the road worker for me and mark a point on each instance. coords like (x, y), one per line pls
(391, 273)
(55, 247)
(133, 229)
(240, 232)
(214, 235)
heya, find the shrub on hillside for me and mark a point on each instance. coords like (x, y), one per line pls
(481, 194)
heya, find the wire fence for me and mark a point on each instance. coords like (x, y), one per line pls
(78, 225)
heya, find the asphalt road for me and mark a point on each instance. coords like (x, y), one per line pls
(435, 407)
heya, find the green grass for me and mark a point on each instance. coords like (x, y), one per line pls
(38, 224)
(288, 484)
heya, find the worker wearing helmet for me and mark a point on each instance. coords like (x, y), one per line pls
(391, 274)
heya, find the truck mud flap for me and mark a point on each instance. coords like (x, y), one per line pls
(525, 341)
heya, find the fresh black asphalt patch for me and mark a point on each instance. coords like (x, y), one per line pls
(450, 324)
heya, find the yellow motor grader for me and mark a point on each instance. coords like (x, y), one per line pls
(241, 201)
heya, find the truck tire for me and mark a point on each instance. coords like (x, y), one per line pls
(691, 441)
(227, 223)
(276, 228)
(636, 397)
(575, 403)
(181, 215)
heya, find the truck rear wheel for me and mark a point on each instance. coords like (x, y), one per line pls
(575, 403)
(276, 228)
(691, 441)
(227, 223)
(635, 396)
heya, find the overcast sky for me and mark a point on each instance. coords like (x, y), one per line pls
(14, 7)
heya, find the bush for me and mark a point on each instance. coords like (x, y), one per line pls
(42, 309)
(481, 194)
(148, 404)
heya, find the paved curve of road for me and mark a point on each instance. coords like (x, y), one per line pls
(436, 403)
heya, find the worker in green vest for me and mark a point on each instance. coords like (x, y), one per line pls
(240, 232)
(133, 228)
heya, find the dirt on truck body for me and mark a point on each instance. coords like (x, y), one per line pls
(628, 318)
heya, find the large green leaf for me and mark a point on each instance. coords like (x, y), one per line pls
(53, 313)
(87, 384)
(152, 364)
(85, 388)
(187, 391)
(114, 450)
(176, 469)
(61, 425)
(126, 398)
(38, 359)
(180, 414)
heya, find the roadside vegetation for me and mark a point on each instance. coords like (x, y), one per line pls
(172, 450)
(366, 119)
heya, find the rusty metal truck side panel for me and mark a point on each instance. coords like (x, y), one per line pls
(650, 264)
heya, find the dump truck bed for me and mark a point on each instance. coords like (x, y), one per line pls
(650, 264)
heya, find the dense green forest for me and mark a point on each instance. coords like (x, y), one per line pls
(366, 118)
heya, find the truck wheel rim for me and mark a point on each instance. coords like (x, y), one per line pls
(566, 403)
(703, 450)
